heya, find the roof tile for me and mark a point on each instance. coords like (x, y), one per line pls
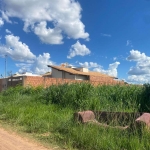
(73, 71)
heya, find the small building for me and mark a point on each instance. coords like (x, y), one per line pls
(16, 79)
(79, 73)
(59, 75)
(47, 74)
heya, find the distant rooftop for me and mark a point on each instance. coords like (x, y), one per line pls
(74, 70)
(24, 74)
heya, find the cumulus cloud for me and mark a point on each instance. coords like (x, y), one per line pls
(26, 60)
(78, 49)
(40, 64)
(1, 22)
(140, 72)
(48, 35)
(111, 71)
(62, 17)
(15, 49)
(23, 67)
(5, 17)
(138, 79)
(136, 55)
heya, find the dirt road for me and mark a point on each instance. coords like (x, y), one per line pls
(12, 141)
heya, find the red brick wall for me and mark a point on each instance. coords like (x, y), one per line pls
(104, 80)
(46, 81)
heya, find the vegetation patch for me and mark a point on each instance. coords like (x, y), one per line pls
(49, 114)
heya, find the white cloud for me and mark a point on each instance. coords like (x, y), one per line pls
(78, 49)
(129, 43)
(24, 67)
(63, 15)
(48, 35)
(106, 35)
(140, 72)
(15, 49)
(138, 79)
(112, 70)
(136, 55)
(1, 22)
(115, 58)
(40, 64)
(89, 65)
(8, 31)
(26, 60)
(5, 17)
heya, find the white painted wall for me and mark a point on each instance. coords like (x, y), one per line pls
(61, 74)
(65, 75)
(69, 76)
(81, 77)
(81, 69)
(56, 73)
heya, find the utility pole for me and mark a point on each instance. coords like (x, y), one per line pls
(5, 72)
(5, 65)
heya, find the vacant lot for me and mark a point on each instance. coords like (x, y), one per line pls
(48, 114)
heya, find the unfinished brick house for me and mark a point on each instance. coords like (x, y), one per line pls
(81, 73)
(59, 75)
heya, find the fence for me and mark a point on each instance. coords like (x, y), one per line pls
(47, 81)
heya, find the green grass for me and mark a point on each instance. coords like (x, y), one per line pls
(50, 110)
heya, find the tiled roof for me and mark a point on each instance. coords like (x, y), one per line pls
(21, 75)
(73, 71)
(46, 74)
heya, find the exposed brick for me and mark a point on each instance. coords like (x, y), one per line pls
(46, 81)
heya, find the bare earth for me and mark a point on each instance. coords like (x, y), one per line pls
(12, 141)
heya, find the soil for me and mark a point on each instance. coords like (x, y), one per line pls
(12, 141)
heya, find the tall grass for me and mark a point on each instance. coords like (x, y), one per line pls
(41, 111)
(85, 96)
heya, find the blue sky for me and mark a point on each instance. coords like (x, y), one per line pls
(108, 36)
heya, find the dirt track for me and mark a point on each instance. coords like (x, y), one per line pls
(12, 141)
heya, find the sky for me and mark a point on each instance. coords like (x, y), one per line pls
(108, 36)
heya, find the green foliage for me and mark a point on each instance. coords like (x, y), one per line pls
(75, 95)
(83, 96)
(119, 97)
(29, 90)
(144, 99)
(41, 111)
